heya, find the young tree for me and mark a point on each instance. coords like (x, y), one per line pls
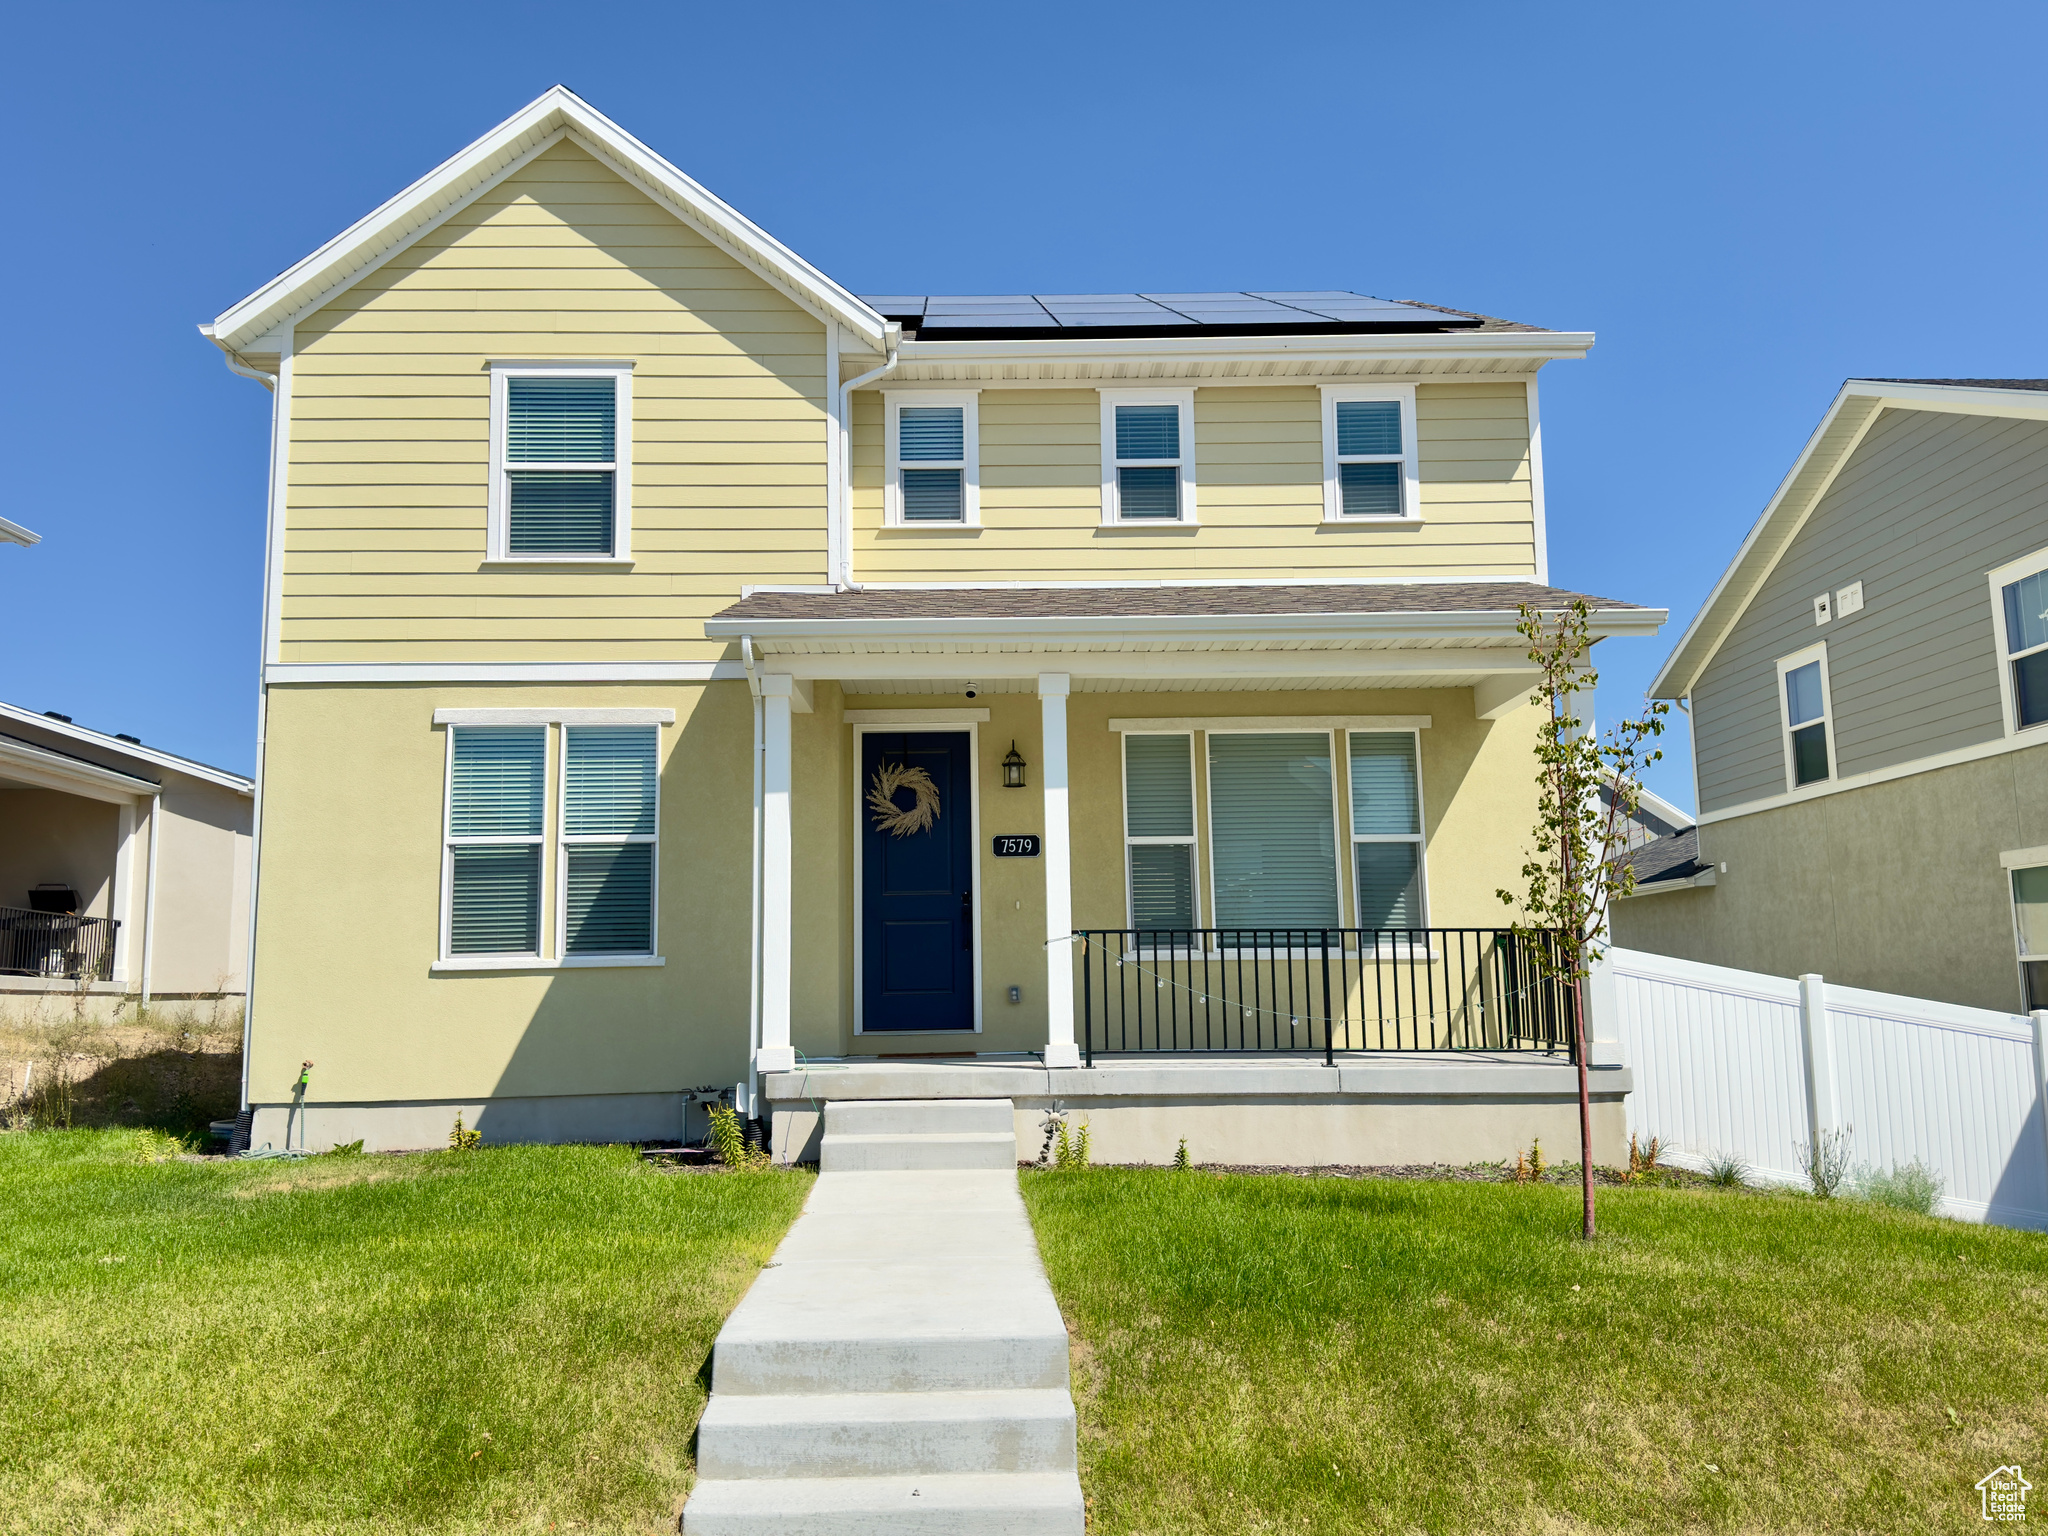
(1575, 870)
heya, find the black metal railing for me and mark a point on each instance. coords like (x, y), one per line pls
(56, 944)
(1247, 990)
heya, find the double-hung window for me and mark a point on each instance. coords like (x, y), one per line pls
(2022, 596)
(610, 808)
(2030, 922)
(1807, 719)
(1370, 466)
(561, 461)
(497, 778)
(1273, 829)
(934, 476)
(1386, 829)
(1148, 456)
(1159, 830)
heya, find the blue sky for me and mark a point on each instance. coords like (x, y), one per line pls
(1748, 204)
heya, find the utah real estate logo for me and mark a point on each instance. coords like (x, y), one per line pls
(2004, 1493)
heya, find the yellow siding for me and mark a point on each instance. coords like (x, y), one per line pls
(1259, 460)
(390, 432)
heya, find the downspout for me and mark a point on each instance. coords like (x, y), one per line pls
(156, 821)
(842, 577)
(753, 1082)
(279, 389)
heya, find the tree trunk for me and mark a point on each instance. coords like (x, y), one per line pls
(1585, 1103)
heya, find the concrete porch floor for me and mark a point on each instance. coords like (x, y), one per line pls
(1370, 1108)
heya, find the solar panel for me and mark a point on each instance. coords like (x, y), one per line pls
(993, 315)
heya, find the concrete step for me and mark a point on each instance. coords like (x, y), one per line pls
(918, 1151)
(872, 1434)
(998, 1504)
(909, 1117)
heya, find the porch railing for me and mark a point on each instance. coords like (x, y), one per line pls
(56, 944)
(1245, 990)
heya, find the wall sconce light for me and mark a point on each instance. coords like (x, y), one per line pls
(1013, 769)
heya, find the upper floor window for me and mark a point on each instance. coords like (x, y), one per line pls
(1807, 717)
(1370, 467)
(2021, 594)
(934, 446)
(561, 455)
(1148, 456)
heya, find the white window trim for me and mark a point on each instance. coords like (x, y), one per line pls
(1787, 664)
(1338, 823)
(1419, 838)
(565, 840)
(2000, 579)
(1112, 516)
(1409, 458)
(1193, 841)
(969, 401)
(445, 957)
(500, 500)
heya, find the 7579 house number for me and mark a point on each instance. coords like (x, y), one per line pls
(1021, 846)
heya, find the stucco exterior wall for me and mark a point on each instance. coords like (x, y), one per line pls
(47, 836)
(1896, 887)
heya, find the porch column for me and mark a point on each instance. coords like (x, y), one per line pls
(775, 1054)
(1060, 1049)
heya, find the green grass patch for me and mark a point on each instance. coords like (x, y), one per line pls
(502, 1340)
(1332, 1355)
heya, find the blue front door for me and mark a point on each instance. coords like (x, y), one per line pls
(917, 890)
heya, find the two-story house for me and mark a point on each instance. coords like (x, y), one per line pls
(1868, 686)
(677, 666)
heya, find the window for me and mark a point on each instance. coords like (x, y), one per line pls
(1159, 830)
(1148, 458)
(1386, 829)
(1370, 466)
(2030, 923)
(561, 451)
(933, 452)
(1809, 727)
(496, 786)
(609, 813)
(1273, 830)
(2025, 605)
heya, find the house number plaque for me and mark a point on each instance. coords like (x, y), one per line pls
(1022, 846)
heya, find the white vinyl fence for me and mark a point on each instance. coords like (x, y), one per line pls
(1732, 1062)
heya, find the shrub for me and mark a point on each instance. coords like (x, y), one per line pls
(1180, 1156)
(1914, 1187)
(1826, 1162)
(1725, 1170)
(462, 1139)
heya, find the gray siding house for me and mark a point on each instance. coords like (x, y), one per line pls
(1868, 688)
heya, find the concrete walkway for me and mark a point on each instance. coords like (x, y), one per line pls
(901, 1365)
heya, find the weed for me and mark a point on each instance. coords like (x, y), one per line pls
(1643, 1156)
(1914, 1187)
(355, 1148)
(1180, 1156)
(463, 1140)
(1070, 1152)
(729, 1140)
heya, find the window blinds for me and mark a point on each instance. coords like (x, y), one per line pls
(1274, 832)
(498, 777)
(1368, 427)
(609, 783)
(1159, 802)
(1384, 798)
(494, 899)
(609, 780)
(608, 906)
(497, 789)
(560, 422)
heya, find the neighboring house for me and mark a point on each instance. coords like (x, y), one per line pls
(1654, 817)
(618, 557)
(124, 869)
(1868, 686)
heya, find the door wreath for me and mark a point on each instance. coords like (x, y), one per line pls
(893, 818)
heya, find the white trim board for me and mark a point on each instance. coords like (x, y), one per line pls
(1949, 759)
(1179, 725)
(287, 672)
(546, 716)
(937, 715)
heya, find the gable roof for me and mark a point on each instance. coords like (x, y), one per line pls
(554, 115)
(1855, 409)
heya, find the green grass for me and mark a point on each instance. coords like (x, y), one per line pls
(502, 1340)
(1282, 1354)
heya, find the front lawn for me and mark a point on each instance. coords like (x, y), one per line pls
(499, 1340)
(1284, 1354)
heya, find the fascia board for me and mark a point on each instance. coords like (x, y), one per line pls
(1958, 399)
(1247, 630)
(49, 765)
(350, 255)
(100, 739)
(1545, 345)
(14, 533)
